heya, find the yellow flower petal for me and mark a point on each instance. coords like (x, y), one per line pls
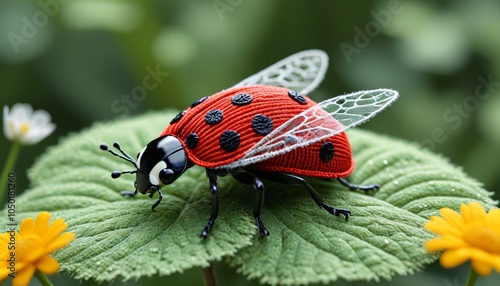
(472, 235)
(4, 272)
(63, 240)
(23, 277)
(453, 218)
(41, 223)
(441, 227)
(454, 257)
(47, 265)
(37, 239)
(4, 238)
(55, 229)
(444, 242)
(473, 212)
(482, 268)
(27, 226)
(496, 263)
(32, 255)
(493, 218)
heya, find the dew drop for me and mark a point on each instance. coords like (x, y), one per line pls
(370, 162)
(386, 241)
(385, 162)
(110, 269)
(154, 249)
(452, 190)
(98, 263)
(431, 183)
(396, 182)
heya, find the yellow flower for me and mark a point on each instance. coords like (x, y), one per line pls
(474, 235)
(24, 252)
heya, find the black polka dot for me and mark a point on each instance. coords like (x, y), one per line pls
(192, 140)
(229, 140)
(178, 117)
(290, 140)
(199, 101)
(242, 99)
(214, 116)
(262, 124)
(326, 152)
(297, 97)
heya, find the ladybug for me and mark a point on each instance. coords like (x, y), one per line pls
(260, 129)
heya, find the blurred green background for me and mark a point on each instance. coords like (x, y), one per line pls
(86, 61)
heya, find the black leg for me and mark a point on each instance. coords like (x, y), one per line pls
(160, 197)
(298, 181)
(249, 179)
(214, 190)
(129, 193)
(353, 187)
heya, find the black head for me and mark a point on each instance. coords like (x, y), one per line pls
(160, 163)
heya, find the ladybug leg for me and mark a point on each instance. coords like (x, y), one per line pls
(249, 179)
(160, 197)
(129, 193)
(214, 208)
(298, 181)
(353, 187)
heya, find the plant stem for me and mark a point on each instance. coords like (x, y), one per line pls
(44, 280)
(8, 167)
(471, 281)
(209, 275)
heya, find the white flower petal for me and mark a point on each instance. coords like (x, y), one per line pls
(6, 128)
(36, 135)
(39, 118)
(21, 112)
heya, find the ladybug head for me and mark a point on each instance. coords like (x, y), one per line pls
(160, 163)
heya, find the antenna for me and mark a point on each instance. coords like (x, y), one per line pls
(124, 156)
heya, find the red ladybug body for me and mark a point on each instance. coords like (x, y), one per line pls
(252, 112)
(260, 129)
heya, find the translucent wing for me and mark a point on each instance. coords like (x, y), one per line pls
(301, 72)
(321, 121)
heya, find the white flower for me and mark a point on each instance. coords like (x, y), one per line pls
(25, 126)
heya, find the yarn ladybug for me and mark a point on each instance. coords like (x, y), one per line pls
(260, 129)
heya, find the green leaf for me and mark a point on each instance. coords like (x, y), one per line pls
(120, 237)
(385, 234)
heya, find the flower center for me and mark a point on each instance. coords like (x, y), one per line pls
(24, 127)
(27, 246)
(482, 237)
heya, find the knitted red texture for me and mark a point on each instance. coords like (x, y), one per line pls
(272, 102)
(307, 162)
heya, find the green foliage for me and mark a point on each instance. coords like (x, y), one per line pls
(119, 237)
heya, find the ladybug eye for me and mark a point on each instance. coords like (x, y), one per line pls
(167, 176)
